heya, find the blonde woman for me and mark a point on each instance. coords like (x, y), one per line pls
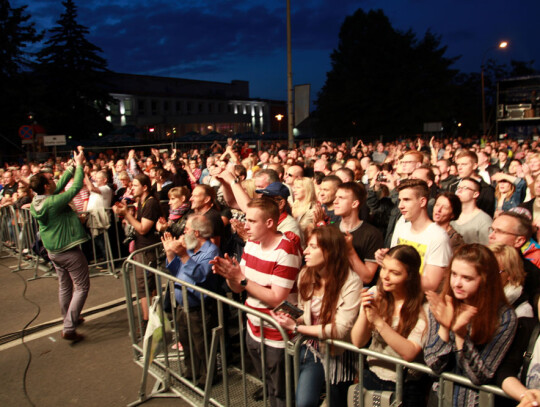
(305, 201)
(512, 278)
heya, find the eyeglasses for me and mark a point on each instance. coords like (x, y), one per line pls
(465, 188)
(501, 232)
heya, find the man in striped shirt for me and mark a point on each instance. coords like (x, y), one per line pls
(267, 272)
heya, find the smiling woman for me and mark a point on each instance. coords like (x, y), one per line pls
(392, 317)
(470, 322)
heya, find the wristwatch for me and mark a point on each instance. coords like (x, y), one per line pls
(235, 181)
(244, 282)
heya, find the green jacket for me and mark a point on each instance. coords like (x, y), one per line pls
(59, 226)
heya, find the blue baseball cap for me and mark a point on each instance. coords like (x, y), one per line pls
(275, 189)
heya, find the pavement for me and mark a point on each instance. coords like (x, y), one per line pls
(45, 370)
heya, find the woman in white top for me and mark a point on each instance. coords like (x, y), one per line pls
(392, 316)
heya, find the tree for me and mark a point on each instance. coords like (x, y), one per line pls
(383, 80)
(71, 69)
(17, 33)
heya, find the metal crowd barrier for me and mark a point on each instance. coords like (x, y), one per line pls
(110, 264)
(236, 385)
(486, 393)
(19, 237)
(18, 231)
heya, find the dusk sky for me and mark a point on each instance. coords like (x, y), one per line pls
(223, 40)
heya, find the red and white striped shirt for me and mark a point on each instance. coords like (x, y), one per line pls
(277, 266)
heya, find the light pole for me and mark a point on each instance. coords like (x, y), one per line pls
(501, 45)
(279, 117)
(290, 124)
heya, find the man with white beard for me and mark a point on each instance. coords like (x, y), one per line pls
(188, 259)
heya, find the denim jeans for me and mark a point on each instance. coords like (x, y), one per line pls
(312, 382)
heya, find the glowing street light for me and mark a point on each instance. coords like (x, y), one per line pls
(501, 45)
(279, 117)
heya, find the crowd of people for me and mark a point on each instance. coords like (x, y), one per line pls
(423, 250)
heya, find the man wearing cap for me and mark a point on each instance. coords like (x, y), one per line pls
(235, 196)
(286, 223)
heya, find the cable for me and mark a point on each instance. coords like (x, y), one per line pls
(24, 344)
(13, 336)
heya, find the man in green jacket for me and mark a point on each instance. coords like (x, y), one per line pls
(62, 232)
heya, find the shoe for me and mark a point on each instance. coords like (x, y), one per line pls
(187, 374)
(72, 336)
(201, 383)
(258, 394)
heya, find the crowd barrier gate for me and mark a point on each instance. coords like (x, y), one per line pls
(236, 383)
(18, 238)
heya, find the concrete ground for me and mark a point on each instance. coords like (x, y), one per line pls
(47, 370)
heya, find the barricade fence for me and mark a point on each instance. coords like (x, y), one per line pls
(158, 352)
(105, 250)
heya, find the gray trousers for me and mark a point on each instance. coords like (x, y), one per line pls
(73, 284)
(275, 370)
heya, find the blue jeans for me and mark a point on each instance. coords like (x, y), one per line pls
(312, 382)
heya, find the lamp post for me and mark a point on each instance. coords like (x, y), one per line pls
(279, 117)
(501, 45)
(290, 124)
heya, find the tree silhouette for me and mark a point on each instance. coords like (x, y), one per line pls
(17, 33)
(70, 69)
(383, 80)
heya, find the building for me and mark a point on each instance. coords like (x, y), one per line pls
(518, 107)
(170, 108)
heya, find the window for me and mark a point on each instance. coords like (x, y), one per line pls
(141, 107)
(128, 107)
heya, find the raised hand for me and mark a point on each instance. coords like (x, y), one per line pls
(228, 268)
(78, 157)
(379, 255)
(464, 315)
(369, 302)
(441, 308)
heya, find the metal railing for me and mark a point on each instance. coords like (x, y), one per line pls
(235, 384)
(19, 237)
(220, 348)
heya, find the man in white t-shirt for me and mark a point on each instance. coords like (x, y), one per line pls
(416, 229)
(100, 193)
(98, 220)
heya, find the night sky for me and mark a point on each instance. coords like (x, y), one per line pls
(222, 40)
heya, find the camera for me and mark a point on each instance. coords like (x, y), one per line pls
(381, 177)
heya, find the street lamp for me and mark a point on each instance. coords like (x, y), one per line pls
(501, 45)
(279, 117)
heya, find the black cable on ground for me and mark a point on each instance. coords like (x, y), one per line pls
(24, 344)
(13, 336)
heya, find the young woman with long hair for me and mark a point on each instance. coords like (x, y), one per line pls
(471, 324)
(509, 191)
(328, 294)
(304, 203)
(392, 316)
(512, 276)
